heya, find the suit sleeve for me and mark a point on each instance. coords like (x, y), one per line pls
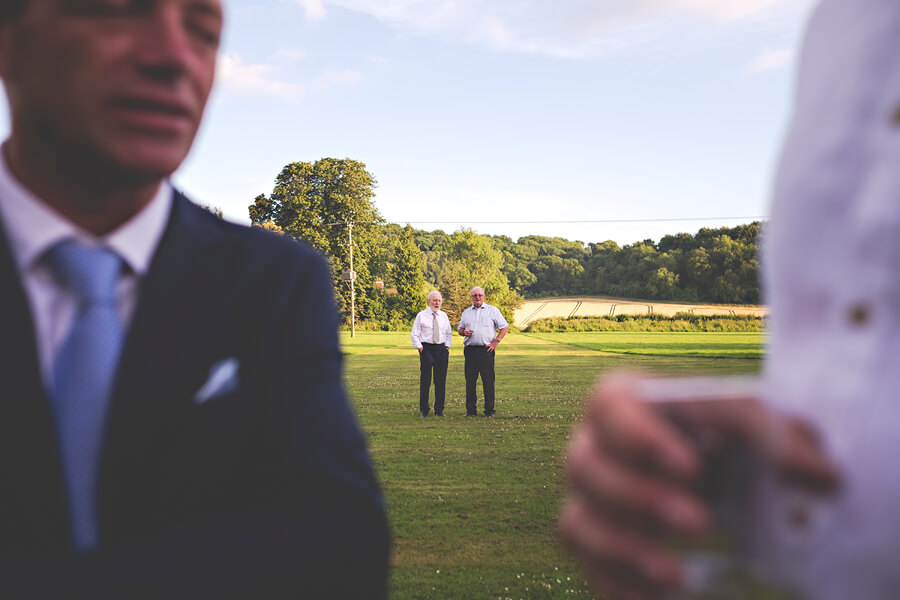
(313, 525)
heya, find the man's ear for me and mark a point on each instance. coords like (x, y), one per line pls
(11, 38)
(6, 47)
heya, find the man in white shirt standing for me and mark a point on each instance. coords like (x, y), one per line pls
(484, 328)
(832, 279)
(432, 336)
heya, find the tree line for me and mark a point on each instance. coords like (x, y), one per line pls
(326, 202)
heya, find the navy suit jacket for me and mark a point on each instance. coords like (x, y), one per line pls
(264, 492)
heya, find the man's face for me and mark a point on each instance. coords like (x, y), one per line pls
(477, 298)
(435, 302)
(117, 83)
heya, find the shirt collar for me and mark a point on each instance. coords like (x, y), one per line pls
(32, 227)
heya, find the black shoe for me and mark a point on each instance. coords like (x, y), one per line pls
(423, 415)
(489, 414)
(437, 414)
(471, 414)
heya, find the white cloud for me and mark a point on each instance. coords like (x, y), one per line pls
(315, 9)
(572, 28)
(769, 60)
(734, 9)
(287, 56)
(330, 78)
(268, 79)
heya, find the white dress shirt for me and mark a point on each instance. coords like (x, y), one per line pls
(484, 322)
(32, 228)
(423, 328)
(832, 267)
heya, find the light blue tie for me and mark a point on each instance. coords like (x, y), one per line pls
(83, 375)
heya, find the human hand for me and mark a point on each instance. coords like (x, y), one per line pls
(493, 345)
(420, 350)
(631, 466)
(628, 472)
(468, 332)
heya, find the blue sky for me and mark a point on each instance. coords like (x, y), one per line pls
(508, 110)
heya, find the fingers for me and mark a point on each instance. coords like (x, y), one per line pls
(635, 433)
(798, 454)
(631, 465)
(744, 419)
(648, 501)
(790, 443)
(617, 561)
(629, 472)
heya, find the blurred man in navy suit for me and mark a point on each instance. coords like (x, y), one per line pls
(177, 426)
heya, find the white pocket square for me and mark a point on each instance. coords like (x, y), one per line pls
(223, 378)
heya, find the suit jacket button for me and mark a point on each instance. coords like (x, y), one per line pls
(859, 314)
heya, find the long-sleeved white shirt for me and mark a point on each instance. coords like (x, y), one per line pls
(423, 328)
(832, 279)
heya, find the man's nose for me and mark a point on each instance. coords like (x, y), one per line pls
(164, 46)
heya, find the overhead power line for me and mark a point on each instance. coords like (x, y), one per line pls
(578, 221)
(565, 222)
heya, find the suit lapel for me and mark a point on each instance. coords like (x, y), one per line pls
(161, 348)
(31, 486)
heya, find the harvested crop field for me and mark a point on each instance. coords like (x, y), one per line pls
(598, 306)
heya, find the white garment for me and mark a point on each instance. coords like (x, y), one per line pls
(32, 228)
(832, 266)
(484, 322)
(423, 328)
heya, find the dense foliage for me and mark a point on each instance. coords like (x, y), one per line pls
(406, 273)
(715, 265)
(396, 266)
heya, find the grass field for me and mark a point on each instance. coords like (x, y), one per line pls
(473, 502)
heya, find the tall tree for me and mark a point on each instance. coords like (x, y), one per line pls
(471, 259)
(407, 275)
(319, 203)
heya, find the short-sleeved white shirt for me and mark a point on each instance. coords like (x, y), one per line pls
(484, 322)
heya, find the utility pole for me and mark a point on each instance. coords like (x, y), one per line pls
(352, 277)
(349, 277)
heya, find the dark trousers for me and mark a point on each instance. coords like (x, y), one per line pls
(434, 357)
(479, 362)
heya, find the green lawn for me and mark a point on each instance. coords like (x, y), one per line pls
(473, 502)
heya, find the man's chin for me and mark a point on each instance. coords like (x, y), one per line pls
(147, 160)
